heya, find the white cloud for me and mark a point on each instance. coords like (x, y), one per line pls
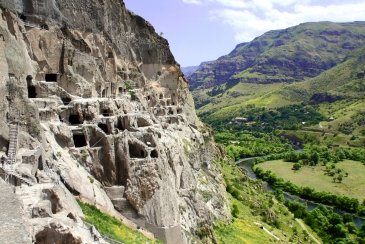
(197, 2)
(251, 18)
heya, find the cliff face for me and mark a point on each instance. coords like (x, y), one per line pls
(103, 113)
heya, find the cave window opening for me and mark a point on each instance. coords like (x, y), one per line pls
(142, 122)
(154, 154)
(179, 110)
(40, 163)
(45, 27)
(173, 104)
(103, 93)
(120, 90)
(136, 151)
(120, 125)
(161, 96)
(51, 77)
(148, 98)
(23, 17)
(74, 119)
(110, 54)
(79, 140)
(106, 112)
(104, 128)
(168, 103)
(66, 100)
(171, 112)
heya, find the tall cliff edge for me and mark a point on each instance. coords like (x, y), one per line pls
(94, 105)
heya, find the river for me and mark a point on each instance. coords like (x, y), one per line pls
(247, 164)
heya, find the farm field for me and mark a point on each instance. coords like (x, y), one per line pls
(314, 177)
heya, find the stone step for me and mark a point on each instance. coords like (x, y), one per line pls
(122, 205)
(48, 115)
(46, 102)
(115, 191)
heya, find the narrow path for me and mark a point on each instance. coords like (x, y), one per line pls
(300, 222)
(267, 231)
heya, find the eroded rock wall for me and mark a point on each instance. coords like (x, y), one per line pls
(102, 105)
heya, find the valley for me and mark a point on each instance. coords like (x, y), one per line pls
(296, 118)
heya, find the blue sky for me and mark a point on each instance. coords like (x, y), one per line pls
(203, 30)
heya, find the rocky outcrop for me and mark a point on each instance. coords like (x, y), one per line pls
(102, 104)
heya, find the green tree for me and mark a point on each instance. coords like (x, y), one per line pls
(315, 158)
(339, 178)
(296, 166)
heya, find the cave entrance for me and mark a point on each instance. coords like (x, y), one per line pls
(51, 77)
(32, 93)
(154, 154)
(74, 119)
(136, 151)
(104, 128)
(142, 122)
(66, 100)
(79, 140)
(103, 93)
(40, 163)
(44, 27)
(106, 112)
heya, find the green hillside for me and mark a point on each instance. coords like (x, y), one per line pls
(287, 55)
(312, 63)
(338, 93)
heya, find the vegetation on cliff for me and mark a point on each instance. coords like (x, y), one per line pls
(111, 227)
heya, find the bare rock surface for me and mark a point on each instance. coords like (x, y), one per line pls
(104, 114)
(14, 229)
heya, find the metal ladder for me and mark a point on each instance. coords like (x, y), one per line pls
(11, 160)
(13, 144)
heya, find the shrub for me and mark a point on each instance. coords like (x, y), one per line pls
(235, 211)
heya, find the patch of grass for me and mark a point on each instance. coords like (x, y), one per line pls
(111, 227)
(251, 205)
(314, 177)
(241, 231)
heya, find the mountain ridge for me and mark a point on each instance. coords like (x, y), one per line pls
(270, 57)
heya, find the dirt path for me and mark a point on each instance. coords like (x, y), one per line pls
(267, 231)
(300, 222)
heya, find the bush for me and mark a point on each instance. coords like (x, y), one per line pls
(235, 211)
(296, 166)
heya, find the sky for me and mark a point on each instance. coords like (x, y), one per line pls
(203, 30)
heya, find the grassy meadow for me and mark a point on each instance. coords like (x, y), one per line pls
(314, 177)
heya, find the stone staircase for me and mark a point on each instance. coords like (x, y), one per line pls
(47, 89)
(47, 108)
(121, 204)
(12, 173)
